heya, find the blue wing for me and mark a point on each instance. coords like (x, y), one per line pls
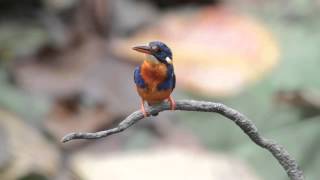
(170, 82)
(174, 81)
(138, 78)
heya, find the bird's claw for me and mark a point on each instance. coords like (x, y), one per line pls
(172, 103)
(143, 110)
(145, 114)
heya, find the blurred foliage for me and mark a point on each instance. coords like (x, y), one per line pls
(296, 26)
(224, 49)
(16, 100)
(20, 39)
(299, 66)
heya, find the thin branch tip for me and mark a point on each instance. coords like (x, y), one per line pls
(68, 137)
(288, 163)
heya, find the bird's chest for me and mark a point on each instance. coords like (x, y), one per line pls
(153, 74)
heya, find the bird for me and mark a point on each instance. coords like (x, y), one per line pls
(155, 78)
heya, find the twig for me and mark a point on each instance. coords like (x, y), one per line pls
(278, 151)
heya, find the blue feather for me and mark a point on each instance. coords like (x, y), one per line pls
(170, 82)
(138, 78)
(164, 53)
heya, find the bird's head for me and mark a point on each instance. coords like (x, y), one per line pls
(157, 52)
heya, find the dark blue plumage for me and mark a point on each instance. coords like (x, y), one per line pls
(138, 78)
(164, 53)
(170, 82)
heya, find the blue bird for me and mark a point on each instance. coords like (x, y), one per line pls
(155, 78)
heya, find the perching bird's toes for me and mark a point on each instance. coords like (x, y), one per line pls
(143, 110)
(172, 103)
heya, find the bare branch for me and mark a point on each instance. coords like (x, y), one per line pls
(278, 151)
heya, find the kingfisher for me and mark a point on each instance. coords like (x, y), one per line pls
(155, 78)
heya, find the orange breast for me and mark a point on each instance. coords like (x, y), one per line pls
(153, 75)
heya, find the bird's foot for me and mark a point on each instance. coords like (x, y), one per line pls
(143, 110)
(172, 103)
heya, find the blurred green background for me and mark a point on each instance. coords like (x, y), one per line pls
(59, 74)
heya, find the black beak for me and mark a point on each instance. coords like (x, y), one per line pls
(143, 49)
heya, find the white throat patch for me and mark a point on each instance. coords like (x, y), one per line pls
(152, 59)
(169, 61)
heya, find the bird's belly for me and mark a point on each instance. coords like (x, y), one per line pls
(154, 96)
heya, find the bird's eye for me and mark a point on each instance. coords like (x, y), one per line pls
(155, 48)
